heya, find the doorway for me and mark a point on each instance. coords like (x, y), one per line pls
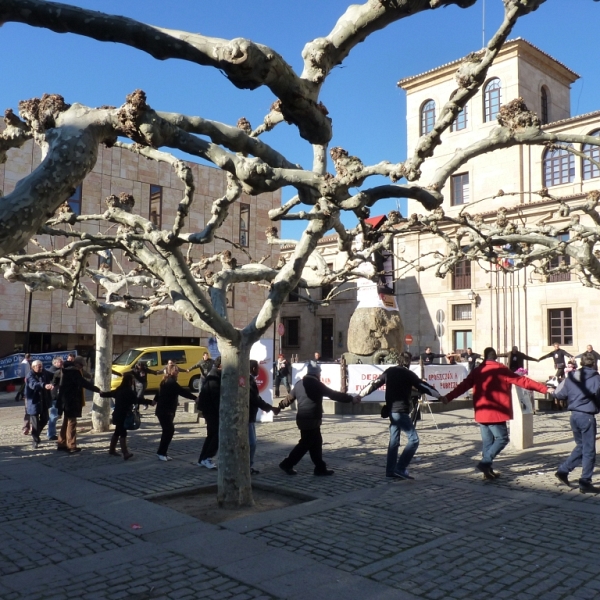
(327, 339)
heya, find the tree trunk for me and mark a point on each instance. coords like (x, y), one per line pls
(102, 378)
(234, 484)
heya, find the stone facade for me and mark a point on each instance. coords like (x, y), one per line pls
(117, 171)
(490, 307)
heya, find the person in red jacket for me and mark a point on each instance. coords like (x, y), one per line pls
(491, 383)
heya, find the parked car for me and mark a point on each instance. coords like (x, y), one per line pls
(156, 358)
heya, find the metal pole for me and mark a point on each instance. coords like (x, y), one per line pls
(28, 324)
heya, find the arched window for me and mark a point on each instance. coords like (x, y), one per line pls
(545, 106)
(492, 98)
(589, 169)
(559, 167)
(461, 118)
(427, 116)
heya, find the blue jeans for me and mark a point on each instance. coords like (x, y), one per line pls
(400, 422)
(583, 426)
(252, 441)
(53, 417)
(495, 438)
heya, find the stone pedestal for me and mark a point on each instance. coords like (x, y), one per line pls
(521, 427)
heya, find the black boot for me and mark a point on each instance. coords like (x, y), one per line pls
(113, 445)
(126, 454)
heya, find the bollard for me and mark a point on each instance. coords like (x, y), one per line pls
(521, 427)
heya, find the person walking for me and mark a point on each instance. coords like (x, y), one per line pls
(37, 399)
(282, 374)
(53, 414)
(254, 403)
(205, 365)
(560, 361)
(492, 402)
(309, 392)
(71, 399)
(581, 390)
(210, 403)
(399, 381)
(126, 398)
(590, 349)
(470, 358)
(516, 359)
(167, 400)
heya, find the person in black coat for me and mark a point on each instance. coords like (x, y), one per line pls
(254, 403)
(590, 350)
(140, 373)
(516, 359)
(167, 401)
(209, 401)
(428, 356)
(125, 399)
(71, 400)
(309, 392)
(560, 362)
(399, 382)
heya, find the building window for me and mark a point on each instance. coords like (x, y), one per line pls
(244, 225)
(155, 209)
(560, 326)
(459, 193)
(462, 312)
(590, 170)
(545, 103)
(461, 340)
(427, 116)
(293, 296)
(230, 297)
(461, 276)
(460, 122)
(326, 289)
(492, 98)
(559, 167)
(560, 261)
(75, 200)
(291, 338)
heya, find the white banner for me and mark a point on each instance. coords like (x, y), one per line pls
(360, 376)
(444, 378)
(262, 351)
(331, 374)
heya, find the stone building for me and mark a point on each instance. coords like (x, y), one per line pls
(313, 328)
(479, 305)
(157, 192)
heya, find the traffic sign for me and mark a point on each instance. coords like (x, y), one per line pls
(281, 329)
(408, 339)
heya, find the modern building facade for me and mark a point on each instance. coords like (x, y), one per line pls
(157, 192)
(479, 305)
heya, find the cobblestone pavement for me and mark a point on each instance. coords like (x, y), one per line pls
(83, 526)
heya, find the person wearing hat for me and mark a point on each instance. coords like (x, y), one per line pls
(71, 398)
(309, 393)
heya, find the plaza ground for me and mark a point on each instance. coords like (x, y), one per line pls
(85, 526)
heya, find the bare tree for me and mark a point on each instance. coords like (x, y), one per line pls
(70, 134)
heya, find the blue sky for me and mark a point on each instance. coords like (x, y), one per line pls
(367, 108)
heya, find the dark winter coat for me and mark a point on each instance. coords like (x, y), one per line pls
(558, 356)
(70, 395)
(470, 359)
(516, 360)
(205, 366)
(125, 398)
(581, 390)
(596, 356)
(309, 393)
(399, 382)
(255, 402)
(37, 397)
(429, 357)
(209, 399)
(168, 397)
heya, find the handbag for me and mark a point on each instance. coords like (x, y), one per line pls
(132, 420)
(385, 411)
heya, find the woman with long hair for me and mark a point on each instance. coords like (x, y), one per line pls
(125, 398)
(167, 401)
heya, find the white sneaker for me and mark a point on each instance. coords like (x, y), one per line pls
(162, 457)
(208, 463)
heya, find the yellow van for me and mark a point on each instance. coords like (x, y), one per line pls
(157, 357)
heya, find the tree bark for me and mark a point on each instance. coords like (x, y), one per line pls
(234, 484)
(102, 377)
